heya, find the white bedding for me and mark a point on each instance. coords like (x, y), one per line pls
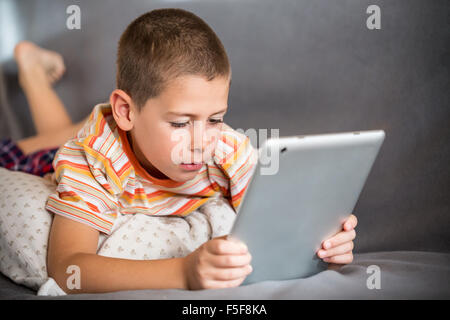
(25, 226)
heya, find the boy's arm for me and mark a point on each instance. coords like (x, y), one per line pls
(73, 243)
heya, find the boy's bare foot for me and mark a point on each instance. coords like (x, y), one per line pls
(31, 58)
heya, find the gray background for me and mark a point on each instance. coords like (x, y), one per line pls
(301, 66)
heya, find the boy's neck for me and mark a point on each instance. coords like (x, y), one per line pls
(146, 165)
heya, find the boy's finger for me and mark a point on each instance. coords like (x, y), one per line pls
(231, 261)
(217, 284)
(351, 223)
(228, 274)
(341, 249)
(340, 238)
(222, 246)
(341, 259)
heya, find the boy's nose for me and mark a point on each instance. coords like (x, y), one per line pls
(198, 137)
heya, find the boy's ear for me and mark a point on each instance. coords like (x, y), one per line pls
(123, 109)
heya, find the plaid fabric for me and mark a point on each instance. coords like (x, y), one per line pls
(38, 163)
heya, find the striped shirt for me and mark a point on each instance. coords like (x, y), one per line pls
(98, 175)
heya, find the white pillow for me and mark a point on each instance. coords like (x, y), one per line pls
(25, 227)
(143, 237)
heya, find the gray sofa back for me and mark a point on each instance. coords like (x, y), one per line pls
(304, 67)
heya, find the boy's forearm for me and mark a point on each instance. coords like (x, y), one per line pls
(105, 274)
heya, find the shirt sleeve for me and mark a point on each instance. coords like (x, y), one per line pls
(87, 186)
(236, 159)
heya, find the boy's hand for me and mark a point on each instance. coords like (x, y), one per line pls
(218, 263)
(338, 249)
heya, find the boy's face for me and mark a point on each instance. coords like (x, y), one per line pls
(179, 127)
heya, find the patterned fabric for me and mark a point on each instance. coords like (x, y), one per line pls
(38, 163)
(25, 227)
(99, 176)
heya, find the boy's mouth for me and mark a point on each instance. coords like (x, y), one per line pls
(191, 166)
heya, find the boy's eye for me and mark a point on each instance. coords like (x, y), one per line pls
(215, 121)
(183, 124)
(178, 124)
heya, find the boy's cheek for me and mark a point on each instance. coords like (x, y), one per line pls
(209, 151)
(209, 146)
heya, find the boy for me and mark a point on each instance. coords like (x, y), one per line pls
(173, 73)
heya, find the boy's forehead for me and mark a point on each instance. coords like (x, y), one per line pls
(185, 93)
(191, 96)
(189, 114)
(189, 82)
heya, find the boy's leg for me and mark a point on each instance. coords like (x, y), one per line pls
(50, 139)
(38, 69)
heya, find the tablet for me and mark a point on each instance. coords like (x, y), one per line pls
(302, 190)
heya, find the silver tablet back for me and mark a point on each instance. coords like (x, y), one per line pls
(286, 215)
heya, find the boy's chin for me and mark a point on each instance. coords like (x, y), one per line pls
(182, 175)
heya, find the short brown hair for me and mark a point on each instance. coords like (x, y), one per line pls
(163, 44)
